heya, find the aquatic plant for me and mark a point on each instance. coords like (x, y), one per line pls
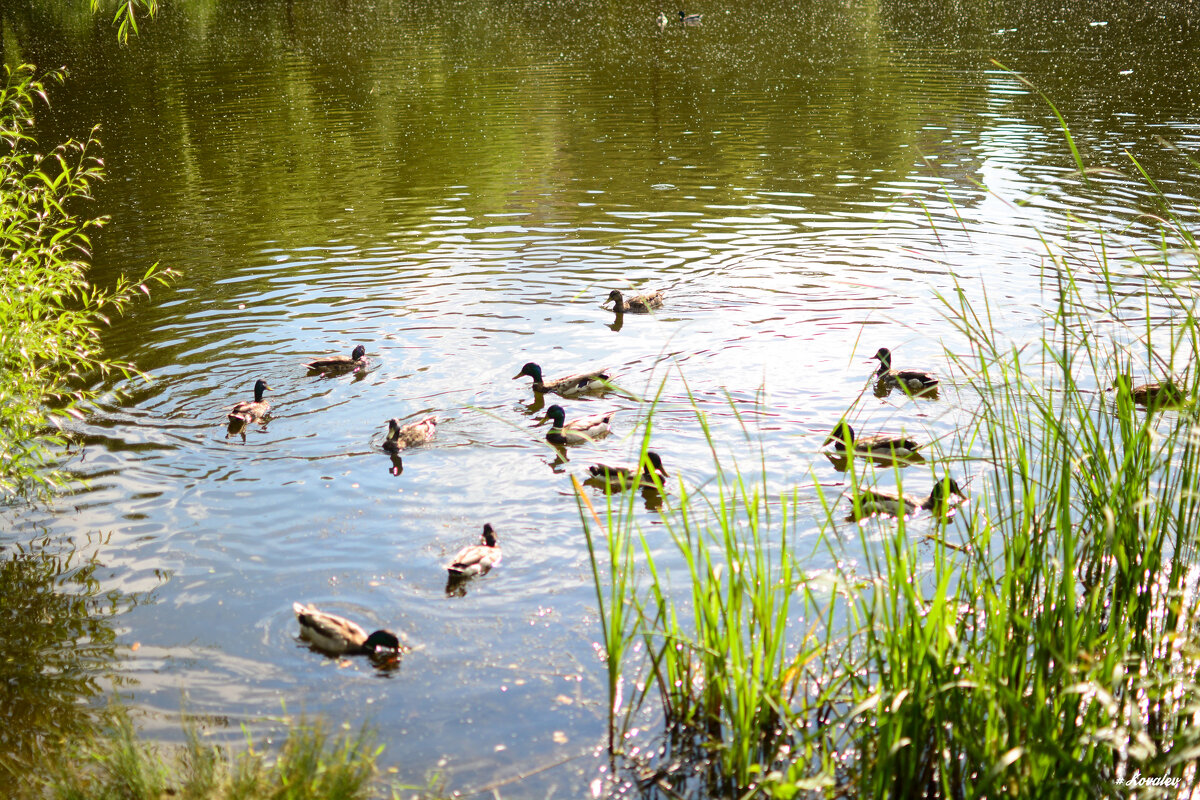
(50, 314)
(1052, 650)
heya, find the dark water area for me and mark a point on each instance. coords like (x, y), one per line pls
(457, 186)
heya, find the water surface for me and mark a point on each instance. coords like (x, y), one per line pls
(457, 186)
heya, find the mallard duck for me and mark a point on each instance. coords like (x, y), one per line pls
(356, 360)
(1155, 393)
(875, 501)
(877, 444)
(662, 21)
(578, 431)
(638, 304)
(689, 19)
(917, 381)
(616, 473)
(254, 410)
(476, 559)
(340, 636)
(401, 437)
(566, 387)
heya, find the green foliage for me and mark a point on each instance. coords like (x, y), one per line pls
(1053, 652)
(125, 15)
(50, 316)
(311, 765)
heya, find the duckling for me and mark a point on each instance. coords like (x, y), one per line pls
(689, 19)
(916, 381)
(578, 431)
(356, 360)
(476, 559)
(1155, 393)
(638, 304)
(566, 387)
(254, 410)
(662, 21)
(875, 501)
(339, 636)
(401, 437)
(878, 444)
(625, 473)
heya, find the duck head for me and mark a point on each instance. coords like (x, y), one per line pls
(359, 352)
(489, 536)
(382, 641)
(656, 462)
(884, 356)
(841, 437)
(615, 297)
(532, 370)
(556, 414)
(260, 388)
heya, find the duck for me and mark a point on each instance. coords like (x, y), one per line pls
(662, 21)
(356, 360)
(401, 437)
(625, 473)
(476, 559)
(1154, 393)
(638, 304)
(875, 501)
(566, 387)
(689, 19)
(340, 636)
(888, 444)
(916, 381)
(578, 431)
(254, 410)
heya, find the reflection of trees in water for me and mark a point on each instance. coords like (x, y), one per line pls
(57, 649)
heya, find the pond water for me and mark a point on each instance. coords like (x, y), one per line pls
(457, 186)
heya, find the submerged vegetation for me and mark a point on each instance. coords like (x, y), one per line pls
(50, 315)
(1053, 649)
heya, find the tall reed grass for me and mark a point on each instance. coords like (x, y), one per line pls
(1053, 652)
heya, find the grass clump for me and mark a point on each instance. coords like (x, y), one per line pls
(1053, 651)
(50, 315)
(312, 764)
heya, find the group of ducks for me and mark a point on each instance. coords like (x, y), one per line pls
(336, 635)
(893, 448)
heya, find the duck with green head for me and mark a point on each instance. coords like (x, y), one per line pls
(339, 636)
(581, 430)
(569, 386)
(249, 411)
(689, 19)
(876, 501)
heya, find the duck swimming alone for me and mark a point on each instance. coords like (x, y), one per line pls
(254, 410)
(569, 386)
(339, 636)
(638, 304)
(886, 444)
(618, 473)
(915, 381)
(874, 501)
(689, 19)
(401, 437)
(476, 559)
(581, 430)
(356, 360)
(1154, 393)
